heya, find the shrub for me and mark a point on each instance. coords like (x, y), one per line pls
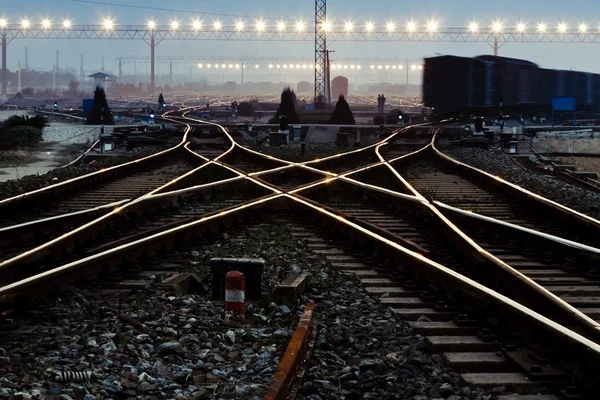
(342, 115)
(28, 91)
(245, 109)
(378, 120)
(37, 121)
(19, 136)
(287, 106)
(391, 119)
(96, 116)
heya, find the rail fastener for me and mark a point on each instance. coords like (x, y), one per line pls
(288, 378)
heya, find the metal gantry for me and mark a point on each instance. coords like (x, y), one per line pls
(321, 84)
(154, 34)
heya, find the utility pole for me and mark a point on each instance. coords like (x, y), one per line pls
(496, 45)
(328, 75)
(81, 73)
(152, 48)
(4, 71)
(54, 77)
(57, 62)
(102, 63)
(26, 60)
(171, 71)
(19, 79)
(120, 68)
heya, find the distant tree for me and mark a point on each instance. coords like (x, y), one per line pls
(28, 91)
(287, 106)
(342, 115)
(73, 87)
(100, 113)
(18, 95)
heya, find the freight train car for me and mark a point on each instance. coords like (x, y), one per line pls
(461, 85)
(457, 83)
(515, 81)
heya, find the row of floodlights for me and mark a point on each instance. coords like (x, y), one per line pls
(300, 26)
(413, 67)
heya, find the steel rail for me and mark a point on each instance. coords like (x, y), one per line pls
(590, 324)
(546, 236)
(536, 197)
(460, 279)
(31, 254)
(79, 179)
(466, 283)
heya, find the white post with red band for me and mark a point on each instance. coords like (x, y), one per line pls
(235, 287)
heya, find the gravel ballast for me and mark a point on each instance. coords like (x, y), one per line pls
(503, 166)
(151, 344)
(364, 352)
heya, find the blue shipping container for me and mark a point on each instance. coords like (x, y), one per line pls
(87, 106)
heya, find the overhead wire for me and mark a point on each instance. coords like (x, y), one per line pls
(178, 10)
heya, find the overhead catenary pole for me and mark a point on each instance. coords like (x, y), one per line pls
(81, 73)
(320, 48)
(4, 71)
(152, 46)
(496, 45)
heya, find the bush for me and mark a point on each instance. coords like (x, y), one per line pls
(391, 119)
(245, 109)
(37, 121)
(20, 136)
(378, 120)
(28, 91)
(342, 115)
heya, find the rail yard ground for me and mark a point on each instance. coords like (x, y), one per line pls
(152, 343)
(381, 311)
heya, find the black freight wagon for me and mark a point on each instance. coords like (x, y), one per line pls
(454, 84)
(460, 85)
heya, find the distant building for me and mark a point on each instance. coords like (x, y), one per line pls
(104, 80)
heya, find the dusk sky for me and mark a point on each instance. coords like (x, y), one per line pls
(583, 57)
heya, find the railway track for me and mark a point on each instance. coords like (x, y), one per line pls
(421, 259)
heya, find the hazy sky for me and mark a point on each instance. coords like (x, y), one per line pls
(449, 14)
